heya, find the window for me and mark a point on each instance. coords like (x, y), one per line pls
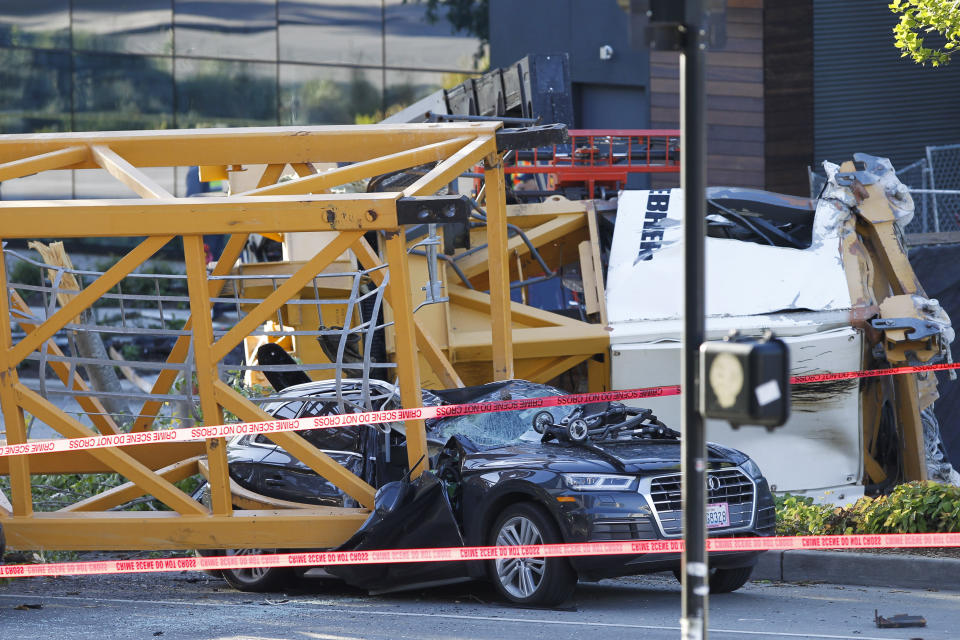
(226, 93)
(35, 91)
(328, 95)
(287, 411)
(245, 29)
(144, 26)
(411, 41)
(330, 438)
(43, 24)
(331, 31)
(115, 92)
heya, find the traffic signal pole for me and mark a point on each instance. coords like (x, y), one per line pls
(693, 152)
(689, 27)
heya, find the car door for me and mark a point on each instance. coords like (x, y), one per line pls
(255, 461)
(287, 478)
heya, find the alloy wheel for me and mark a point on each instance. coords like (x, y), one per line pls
(249, 575)
(520, 577)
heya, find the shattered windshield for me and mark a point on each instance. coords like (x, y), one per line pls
(504, 427)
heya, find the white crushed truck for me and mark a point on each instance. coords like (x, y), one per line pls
(830, 277)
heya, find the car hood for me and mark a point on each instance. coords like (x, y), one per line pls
(634, 457)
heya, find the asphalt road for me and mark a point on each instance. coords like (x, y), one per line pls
(189, 606)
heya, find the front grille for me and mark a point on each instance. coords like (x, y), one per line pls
(766, 512)
(607, 530)
(736, 489)
(766, 520)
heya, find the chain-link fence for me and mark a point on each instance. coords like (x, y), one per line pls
(934, 182)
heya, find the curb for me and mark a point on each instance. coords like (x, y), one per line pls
(863, 569)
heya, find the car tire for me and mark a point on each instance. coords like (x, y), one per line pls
(729, 580)
(530, 581)
(205, 553)
(724, 580)
(257, 579)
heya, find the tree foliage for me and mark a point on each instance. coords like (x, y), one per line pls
(921, 20)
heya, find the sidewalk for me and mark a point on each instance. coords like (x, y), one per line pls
(865, 569)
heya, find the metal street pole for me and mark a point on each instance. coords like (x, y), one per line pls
(693, 151)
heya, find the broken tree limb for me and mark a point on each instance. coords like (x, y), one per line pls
(102, 377)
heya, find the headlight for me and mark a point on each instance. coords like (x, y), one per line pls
(599, 482)
(751, 468)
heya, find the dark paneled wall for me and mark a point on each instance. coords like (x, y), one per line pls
(869, 99)
(735, 100)
(577, 27)
(788, 94)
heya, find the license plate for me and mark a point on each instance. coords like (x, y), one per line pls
(718, 515)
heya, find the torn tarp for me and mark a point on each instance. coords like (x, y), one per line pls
(898, 195)
(931, 311)
(406, 515)
(842, 199)
(939, 468)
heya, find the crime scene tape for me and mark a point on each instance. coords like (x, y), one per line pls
(398, 415)
(873, 373)
(456, 554)
(323, 422)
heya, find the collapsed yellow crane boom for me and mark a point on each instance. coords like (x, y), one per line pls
(158, 217)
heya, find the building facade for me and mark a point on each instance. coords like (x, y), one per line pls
(82, 65)
(798, 82)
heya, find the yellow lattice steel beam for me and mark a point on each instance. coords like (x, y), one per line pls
(425, 342)
(180, 470)
(141, 184)
(451, 168)
(206, 361)
(178, 353)
(194, 216)
(15, 426)
(57, 159)
(497, 248)
(408, 364)
(311, 528)
(233, 146)
(272, 209)
(394, 162)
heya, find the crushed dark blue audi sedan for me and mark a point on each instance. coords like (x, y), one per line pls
(565, 474)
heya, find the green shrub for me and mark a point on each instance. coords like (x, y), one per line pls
(145, 286)
(798, 516)
(56, 491)
(25, 273)
(914, 507)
